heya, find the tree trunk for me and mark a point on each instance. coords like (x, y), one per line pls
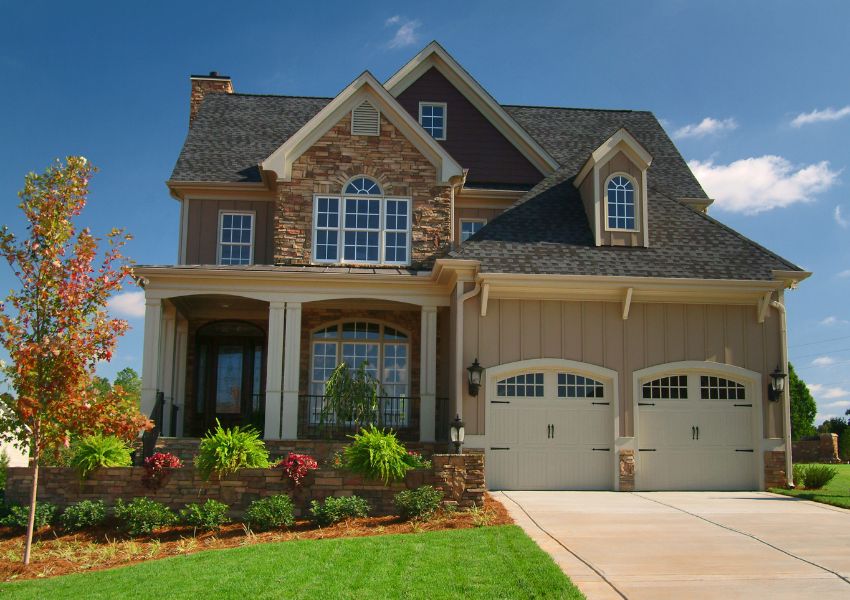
(33, 494)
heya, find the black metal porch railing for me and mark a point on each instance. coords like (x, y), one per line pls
(401, 414)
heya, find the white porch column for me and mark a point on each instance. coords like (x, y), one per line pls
(181, 349)
(428, 374)
(150, 354)
(291, 370)
(169, 320)
(274, 369)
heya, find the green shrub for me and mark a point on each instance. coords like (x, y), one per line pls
(209, 516)
(86, 513)
(141, 516)
(4, 464)
(333, 510)
(415, 460)
(376, 454)
(225, 451)
(817, 476)
(420, 503)
(798, 473)
(96, 451)
(270, 513)
(18, 515)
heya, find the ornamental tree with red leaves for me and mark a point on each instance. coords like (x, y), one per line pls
(296, 466)
(55, 327)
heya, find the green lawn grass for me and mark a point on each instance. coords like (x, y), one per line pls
(490, 562)
(836, 492)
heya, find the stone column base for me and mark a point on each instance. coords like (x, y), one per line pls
(627, 470)
(774, 469)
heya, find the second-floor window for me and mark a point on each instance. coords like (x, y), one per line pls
(469, 227)
(432, 117)
(621, 203)
(361, 226)
(236, 238)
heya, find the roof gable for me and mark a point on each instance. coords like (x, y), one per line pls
(435, 56)
(367, 88)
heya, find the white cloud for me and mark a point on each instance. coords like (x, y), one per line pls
(753, 185)
(823, 361)
(826, 392)
(819, 116)
(832, 320)
(839, 218)
(406, 34)
(707, 126)
(128, 304)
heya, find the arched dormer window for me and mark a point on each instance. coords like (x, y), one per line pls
(361, 226)
(620, 203)
(363, 185)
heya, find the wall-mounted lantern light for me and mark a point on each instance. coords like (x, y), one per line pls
(475, 371)
(777, 385)
(457, 433)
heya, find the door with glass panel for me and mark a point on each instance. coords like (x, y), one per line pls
(230, 378)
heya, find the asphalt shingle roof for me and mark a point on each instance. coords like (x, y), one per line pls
(546, 231)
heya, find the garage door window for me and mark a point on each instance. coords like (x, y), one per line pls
(571, 385)
(528, 385)
(718, 388)
(674, 387)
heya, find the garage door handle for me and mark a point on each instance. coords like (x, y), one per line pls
(693, 432)
(602, 449)
(697, 432)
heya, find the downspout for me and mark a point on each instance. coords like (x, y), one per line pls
(461, 298)
(786, 396)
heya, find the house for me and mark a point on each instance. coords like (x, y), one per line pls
(627, 339)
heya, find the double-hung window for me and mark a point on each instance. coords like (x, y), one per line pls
(236, 238)
(432, 117)
(469, 227)
(362, 226)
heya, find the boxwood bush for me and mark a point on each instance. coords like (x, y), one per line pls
(333, 510)
(18, 515)
(83, 514)
(420, 503)
(141, 516)
(270, 513)
(209, 516)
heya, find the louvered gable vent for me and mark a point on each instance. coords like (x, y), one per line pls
(365, 119)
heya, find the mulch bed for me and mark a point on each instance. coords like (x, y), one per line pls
(56, 553)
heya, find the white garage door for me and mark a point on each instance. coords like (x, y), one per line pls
(696, 432)
(550, 430)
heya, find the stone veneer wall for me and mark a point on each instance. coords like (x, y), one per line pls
(774, 469)
(627, 470)
(822, 449)
(461, 477)
(392, 160)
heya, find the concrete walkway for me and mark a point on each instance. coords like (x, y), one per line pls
(693, 545)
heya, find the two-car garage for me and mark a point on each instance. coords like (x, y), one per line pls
(554, 425)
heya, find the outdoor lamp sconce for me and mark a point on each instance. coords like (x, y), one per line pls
(777, 385)
(475, 371)
(457, 433)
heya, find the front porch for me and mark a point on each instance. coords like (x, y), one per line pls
(264, 363)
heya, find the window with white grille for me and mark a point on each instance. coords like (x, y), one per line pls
(527, 385)
(236, 238)
(365, 119)
(673, 387)
(719, 388)
(571, 385)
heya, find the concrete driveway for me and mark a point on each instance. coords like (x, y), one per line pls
(693, 545)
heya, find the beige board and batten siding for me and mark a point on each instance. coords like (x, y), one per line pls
(202, 229)
(475, 214)
(594, 332)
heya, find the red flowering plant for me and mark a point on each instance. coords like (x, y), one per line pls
(296, 467)
(157, 468)
(415, 460)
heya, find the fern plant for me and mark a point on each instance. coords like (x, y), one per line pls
(376, 454)
(351, 396)
(95, 451)
(225, 451)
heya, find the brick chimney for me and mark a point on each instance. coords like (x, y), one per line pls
(205, 84)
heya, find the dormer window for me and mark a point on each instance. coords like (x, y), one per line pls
(620, 204)
(362, 226)
(432, 117)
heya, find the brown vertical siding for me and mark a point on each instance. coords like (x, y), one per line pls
(470, 138)
(202, 229)
(487, 214)
(595, 332)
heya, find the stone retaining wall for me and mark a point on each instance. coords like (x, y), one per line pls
(461, 477)
(822, 449)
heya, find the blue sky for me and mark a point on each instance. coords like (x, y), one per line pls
(756, 95)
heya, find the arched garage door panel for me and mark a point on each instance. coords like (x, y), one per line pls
(552, 434)
(697, 429)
